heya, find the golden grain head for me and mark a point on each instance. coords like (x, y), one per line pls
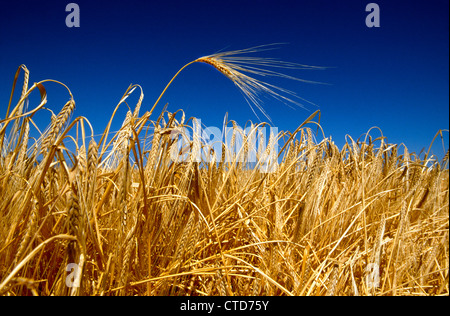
(242, 69)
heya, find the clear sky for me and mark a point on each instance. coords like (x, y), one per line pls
(395, 76)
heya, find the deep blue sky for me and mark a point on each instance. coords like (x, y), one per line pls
(395, 77)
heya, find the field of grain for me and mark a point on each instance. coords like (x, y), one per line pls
(117, 215)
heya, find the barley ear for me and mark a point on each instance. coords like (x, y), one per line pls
(74, 224)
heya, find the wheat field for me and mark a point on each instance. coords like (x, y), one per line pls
(116, 215)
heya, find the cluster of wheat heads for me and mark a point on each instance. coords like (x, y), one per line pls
(119, 216)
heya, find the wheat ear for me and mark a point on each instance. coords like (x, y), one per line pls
(57, 125)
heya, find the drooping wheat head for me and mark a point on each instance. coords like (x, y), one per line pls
(241, 71)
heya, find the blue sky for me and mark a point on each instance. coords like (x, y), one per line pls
(395, 77)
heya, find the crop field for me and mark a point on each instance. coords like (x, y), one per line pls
(139, 212)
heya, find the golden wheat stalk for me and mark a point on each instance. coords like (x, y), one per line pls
(240, 70)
